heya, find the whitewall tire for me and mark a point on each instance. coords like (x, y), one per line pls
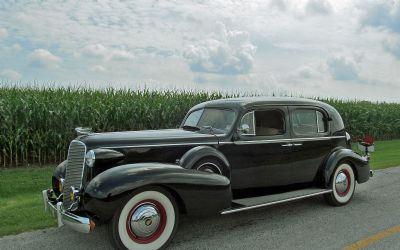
(342, 183)
(148, 220)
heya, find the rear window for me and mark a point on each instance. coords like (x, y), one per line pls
(308, 121)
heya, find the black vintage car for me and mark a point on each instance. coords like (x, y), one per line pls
(228, 156)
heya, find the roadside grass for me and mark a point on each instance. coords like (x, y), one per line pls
(21, 206)
(387, 154)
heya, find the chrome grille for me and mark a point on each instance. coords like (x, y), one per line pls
(74, 172)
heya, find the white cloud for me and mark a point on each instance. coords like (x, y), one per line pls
(97, 68)
(44, 58)
(227, 52)
(95, 50)
(10, 74)
(392, 45)
(320, 7)
(16, 47)
(174, 42)
(342, 68)
(281, 5)
(381, 14)
(304, 72)
(3, 33)
(100, 51)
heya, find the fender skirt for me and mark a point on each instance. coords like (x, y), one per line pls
(359, 163)
(200, 193)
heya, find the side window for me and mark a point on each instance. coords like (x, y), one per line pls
(263, 123)
(269, 122)
(308, 121)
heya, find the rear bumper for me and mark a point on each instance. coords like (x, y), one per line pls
(363, 172)
(78, 223)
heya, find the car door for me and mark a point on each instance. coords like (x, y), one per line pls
(260, 153)
(310, 140)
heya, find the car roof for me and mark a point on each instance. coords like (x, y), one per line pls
(245, 102)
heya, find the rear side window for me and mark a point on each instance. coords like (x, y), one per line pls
(264, 123)
(308, 121)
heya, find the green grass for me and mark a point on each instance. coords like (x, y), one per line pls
(387, 154)
(21, 205)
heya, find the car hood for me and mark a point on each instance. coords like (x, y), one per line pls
(145, 138)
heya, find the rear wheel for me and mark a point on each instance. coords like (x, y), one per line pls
(148, 220)
(343, 184)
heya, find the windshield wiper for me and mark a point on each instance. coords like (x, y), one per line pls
(188, 127)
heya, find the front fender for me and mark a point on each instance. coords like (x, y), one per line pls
(200, 192)
(359, 163)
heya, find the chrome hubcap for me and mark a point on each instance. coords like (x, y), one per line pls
(341, 183)
(145, 220)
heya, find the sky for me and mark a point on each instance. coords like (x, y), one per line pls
(325, 48)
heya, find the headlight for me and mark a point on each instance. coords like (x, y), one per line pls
(90, 158)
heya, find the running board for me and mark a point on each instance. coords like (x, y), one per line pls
(270, 200)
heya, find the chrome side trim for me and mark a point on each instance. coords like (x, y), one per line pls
(162, 145)
(322, 138)
(285, 140)
(229, 142)
(235, 210)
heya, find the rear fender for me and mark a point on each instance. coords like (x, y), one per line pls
(201, 193)
(359, 164)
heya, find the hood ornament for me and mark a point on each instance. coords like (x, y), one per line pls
(83, 131)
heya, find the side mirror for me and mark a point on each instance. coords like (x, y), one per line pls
(244, 129)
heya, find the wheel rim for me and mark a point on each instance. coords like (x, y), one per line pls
(210, 168)
(342, 183)
(146, 221)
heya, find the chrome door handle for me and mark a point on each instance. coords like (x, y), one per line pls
(287, 145)
(297, 144)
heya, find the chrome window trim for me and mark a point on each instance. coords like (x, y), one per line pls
(253, 125)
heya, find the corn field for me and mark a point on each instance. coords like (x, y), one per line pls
(37, 124)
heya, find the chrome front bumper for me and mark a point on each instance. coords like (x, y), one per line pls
(77, 223)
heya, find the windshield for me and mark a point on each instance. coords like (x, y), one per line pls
(220, 120)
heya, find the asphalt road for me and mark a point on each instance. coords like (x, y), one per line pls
(372, 218)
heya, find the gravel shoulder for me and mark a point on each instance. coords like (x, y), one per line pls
(306, 224)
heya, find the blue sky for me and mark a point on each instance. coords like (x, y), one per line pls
(345, 49)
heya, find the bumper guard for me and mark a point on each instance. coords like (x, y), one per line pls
(77, 223)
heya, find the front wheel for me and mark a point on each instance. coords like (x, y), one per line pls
(343, 184)
(148, 220)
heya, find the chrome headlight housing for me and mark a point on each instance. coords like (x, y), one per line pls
(90, 158)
